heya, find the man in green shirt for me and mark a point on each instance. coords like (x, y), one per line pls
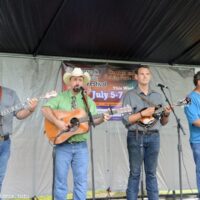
(74, 151)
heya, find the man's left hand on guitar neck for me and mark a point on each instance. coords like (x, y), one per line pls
(105, 118)
(167, 110)
(165, 117)
(32, 104)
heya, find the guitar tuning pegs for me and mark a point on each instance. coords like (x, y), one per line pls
(188, 100)
(185, 101)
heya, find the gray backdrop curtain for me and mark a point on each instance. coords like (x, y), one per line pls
(29, 170)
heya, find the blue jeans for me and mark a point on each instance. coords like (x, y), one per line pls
(196, 155)
(143, 148)
(4, 156)
(76, 155)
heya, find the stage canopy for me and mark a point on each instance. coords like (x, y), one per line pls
(134, 30)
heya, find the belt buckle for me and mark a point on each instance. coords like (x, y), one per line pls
(70, 142)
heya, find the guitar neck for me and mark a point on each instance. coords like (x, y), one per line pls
(97, 116)
(25, 104)
(13, 109)
(86, 119)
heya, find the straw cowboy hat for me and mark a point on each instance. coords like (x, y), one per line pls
(76, 72)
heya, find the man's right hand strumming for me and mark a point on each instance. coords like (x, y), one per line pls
(147, 112)
(62, 125)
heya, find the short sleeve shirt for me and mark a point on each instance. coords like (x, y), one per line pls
(63, 102)
(137, 104)
(192, 112)
(9, 98)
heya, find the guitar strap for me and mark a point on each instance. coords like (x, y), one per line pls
(146, 100)
(150, 103)
(73, 102)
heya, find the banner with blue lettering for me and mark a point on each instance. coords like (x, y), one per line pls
(108, 83)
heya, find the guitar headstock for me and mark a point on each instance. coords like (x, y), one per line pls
(50, 94)
(123, 110)
(183, 102)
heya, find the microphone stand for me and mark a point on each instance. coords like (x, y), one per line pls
(91, 123)
(1, 122)
(179, 128)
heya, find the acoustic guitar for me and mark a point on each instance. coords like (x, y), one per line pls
(78, 120)
(148, 122)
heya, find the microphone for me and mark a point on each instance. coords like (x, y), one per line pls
(83, 90)
(80, 89)
(161, 85)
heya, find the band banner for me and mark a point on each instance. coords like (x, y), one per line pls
(108, 83)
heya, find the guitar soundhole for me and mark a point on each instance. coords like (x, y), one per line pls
(157, 116)
(74, 122)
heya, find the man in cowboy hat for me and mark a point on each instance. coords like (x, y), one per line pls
(74, 151)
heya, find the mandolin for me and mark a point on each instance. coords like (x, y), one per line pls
(148, 122)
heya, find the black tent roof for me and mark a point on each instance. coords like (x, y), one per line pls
(163, 31)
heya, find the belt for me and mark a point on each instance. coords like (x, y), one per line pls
(147, 132)
(4, 137)
(73, 142)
